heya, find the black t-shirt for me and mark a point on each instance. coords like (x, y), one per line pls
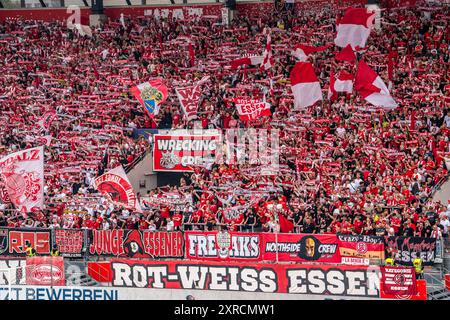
(3, 222)
(251, 218)
(308, 228)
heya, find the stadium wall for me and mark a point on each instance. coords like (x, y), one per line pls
(60, 14)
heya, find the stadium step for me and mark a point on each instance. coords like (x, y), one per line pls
(440, 294)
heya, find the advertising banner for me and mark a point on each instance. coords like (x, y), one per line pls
(14, 241)
(407, 249)
(399, 280)
(45, 271)
(136, 243)
(177, 153)
(70, 242)
(362, 246)
(247, 277)
(300, 247)
(215, 245)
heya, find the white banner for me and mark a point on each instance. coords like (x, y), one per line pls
(22, 173)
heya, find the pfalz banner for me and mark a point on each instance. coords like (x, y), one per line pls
(45, 271)
(358, 281)
(178, 153)
(362, 246)
(398, 280)
(408, 248)
(300, 247)
(136, 243)
(14, 241)
(222, 245)
(70, 242)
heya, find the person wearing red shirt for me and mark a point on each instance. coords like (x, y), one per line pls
(164, 212)
(177, 220)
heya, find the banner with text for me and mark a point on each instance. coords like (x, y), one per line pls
(407, 249)
(45, 271)
(399, 280)
(359, 281)
(180, 152)
(362, 246)
(136, 243)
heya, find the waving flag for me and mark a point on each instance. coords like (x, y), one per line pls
(189, 98)
(354, 28)
(251, 110)
(342, 83)
(22, 174)
(372, 88)
(346, 54)
(254, 61)
(305, 85)
(267, 57)
(301, 51)
(151, 94)
(117, 187)
(46, 120)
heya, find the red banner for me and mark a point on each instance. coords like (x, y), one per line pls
(214, 245)
(300, 247)
(251, 110)
(45, 271)
(399, 280)
(421, 293)
(70, 242)
(136, 243)
(180, 152)
(18, 240)
(356, 281)
(370, 247)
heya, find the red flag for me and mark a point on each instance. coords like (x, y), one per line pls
(286, 225)
(305, 85)
(332, 94)
(346, 54)
(191, 54)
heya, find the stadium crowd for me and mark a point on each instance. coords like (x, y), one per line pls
(345, 166)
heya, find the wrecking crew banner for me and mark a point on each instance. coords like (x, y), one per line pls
(248, 277)
(136, 243)
(407, 249)
(361, 246)
(178, 153)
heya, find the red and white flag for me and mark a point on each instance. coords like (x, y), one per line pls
(372, 88)
(354, 28)
(346, 54)
(116, 186)
(189, 98)
(305, 85)
(250, 110)
(22, 173)
(342, 83)
(253, 60)
(267, 56)
(301, 51)
(47, 119)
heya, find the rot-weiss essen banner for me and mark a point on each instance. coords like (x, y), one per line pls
(136, 243)
(179, 152)
(115, 185)
(14, 241)
(215, 245)
(250, 109)
(358, 281)
(45, 271)
(361, 246)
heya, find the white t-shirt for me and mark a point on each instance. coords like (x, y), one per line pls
(445, 224)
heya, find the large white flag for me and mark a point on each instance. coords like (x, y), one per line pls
(117, 187)
(22, 173)
(189, 98)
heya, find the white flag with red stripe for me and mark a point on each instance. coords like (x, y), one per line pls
(302, 51)
(305, 85)
(372, 88)
(354, 28)
(267, 56)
